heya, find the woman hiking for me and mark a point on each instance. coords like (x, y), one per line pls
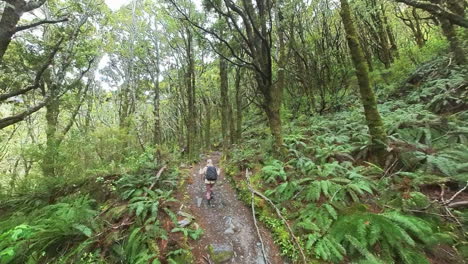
(210, 174)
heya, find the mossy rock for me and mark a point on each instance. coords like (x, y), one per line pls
(220, 253)
(183, 258)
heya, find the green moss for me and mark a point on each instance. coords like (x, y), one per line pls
(220, 256)
(184, 258)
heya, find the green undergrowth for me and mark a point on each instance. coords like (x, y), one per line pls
(114, 218)
(346, 209)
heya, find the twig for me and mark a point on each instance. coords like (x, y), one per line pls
(415, 211)
(255, 220)
(207, 260)
(442, 192)
(458, 204)
(158, 175)
(125, 222)
(295, 239)
(389, 168)
(456, 194)
(455, 219)
(450, 62)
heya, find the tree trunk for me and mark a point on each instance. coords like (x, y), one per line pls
(207, 124)
(157, 125)
(52, 144)
(124, 106)
(10, 17)
(390, 35)
(377, 14)
(455, 47)
(190, 82)
(223, 75)
(232, 128)
(449, 31)
(274, 121)
(417, 29)
(7, 26)
(238, 104)
(369, 102)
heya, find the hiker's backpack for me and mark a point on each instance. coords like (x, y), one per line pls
(211, 173)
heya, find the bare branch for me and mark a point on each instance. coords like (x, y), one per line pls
(437, 11)
(456, 194)
(8, 121)
(38, 23)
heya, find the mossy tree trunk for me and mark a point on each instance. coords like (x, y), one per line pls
(51, 150)
(156, 108)
(450, 33)
(190, 84)
(10, 17)
(207, 123)
(369, 102)
(238, 104)
(223, 76)
(232, 126)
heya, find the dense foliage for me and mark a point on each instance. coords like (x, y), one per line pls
(351, 117)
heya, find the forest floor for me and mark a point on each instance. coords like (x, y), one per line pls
(227, 224)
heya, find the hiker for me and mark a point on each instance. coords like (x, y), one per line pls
(210, 174)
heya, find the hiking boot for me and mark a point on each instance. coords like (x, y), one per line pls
(210, 202)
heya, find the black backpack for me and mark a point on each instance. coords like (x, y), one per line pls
(211, 173)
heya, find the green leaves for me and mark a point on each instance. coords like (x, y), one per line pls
(50, 225)
(83, 229)
(194, 234)
(273, 172)
(392, 231)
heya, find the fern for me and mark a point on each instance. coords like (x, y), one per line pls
(284, 191)
(135, 249)
(395, 233)
(53, 226)
(274, 171)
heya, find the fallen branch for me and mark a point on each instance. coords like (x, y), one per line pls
(278, 212)
(455, 219)
(458, 204)
(158, 175)
(442, 192)
(255, 219)
(124, 223)
(207, 260)
(456, 194)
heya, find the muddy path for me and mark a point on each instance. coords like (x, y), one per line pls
(227, 223)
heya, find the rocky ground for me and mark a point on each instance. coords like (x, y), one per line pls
(230, 235)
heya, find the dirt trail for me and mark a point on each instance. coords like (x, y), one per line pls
(229, 222)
